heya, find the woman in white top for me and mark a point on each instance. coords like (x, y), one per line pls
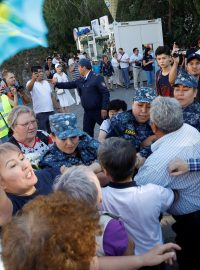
(64, 96)
(116, 75)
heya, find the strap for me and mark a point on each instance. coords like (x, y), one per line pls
(4, 119)
(42, 137)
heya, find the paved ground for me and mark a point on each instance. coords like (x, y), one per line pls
(127, 95)
(120, 93)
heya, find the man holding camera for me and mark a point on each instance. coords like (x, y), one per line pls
(13, 86)
(192, 67)
(42, 98)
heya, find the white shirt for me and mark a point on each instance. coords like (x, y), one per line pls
(81, 56)
(136, 58)
(181, 144)
(55, 61)
(123, 57)
(41, 97)
(1, 262)
(105, 126)
(70, 61)
(139, 208)
(114, 62)
(61, 77)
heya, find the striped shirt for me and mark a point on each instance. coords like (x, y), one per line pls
(181, 144)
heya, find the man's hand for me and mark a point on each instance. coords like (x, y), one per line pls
(174, 51)
(35, 76)
(13, 90)
(159, 254)
(148, 141)
(139, 161)
(64, 169)
(104, 114)
(95, 167)
(178, 167)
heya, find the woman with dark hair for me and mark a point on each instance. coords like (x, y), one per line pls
(148, 66)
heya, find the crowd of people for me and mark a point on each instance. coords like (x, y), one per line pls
(72, 201)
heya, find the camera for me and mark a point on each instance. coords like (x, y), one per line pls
(179, 52)
(19, 88)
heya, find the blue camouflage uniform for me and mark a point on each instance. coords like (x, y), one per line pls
(94, 98)
(63, 126)
(86, 154)
(124, 125)
(191, 115)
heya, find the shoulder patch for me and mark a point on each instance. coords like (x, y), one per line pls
(103, 84)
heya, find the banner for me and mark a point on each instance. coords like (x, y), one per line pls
(104, 25)
(95, 27)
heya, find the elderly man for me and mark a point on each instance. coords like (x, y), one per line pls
(176, 140)
(133, 124)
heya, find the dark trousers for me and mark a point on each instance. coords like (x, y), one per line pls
(187, 229)
(90, 118)
(43, 121)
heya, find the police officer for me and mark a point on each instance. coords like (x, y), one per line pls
(93, 93)
(71, 146)
(185, 91)
(134, 124)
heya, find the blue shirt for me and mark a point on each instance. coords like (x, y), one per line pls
(181, 144)
(96, 68)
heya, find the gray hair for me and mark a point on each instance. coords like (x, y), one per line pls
(167, 114)
(76, 184)
(14, 114)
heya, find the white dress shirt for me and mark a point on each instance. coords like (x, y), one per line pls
(134, 58)
(124, 58)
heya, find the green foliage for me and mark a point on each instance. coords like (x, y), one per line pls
(64, 15)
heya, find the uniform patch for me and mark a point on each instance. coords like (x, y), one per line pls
(129, 132)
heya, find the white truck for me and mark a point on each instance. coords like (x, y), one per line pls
(129, 35)
(126, 35)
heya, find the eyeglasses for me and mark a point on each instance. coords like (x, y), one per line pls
(27, 124)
